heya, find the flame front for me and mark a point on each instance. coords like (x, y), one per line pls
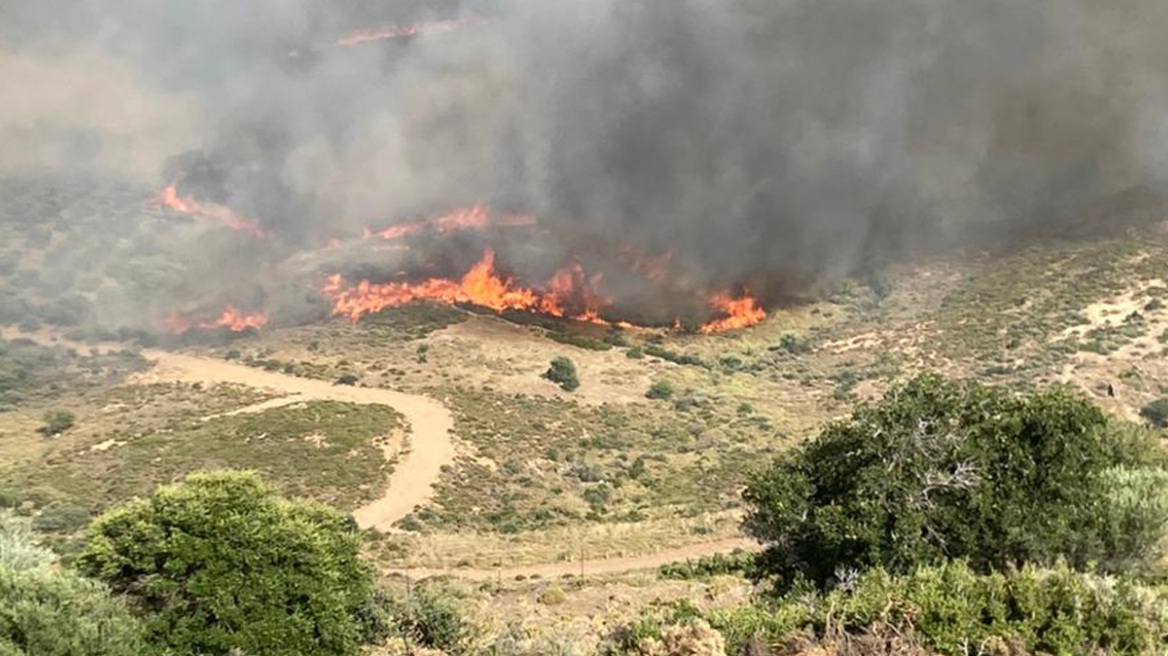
(170, 199)
(232, 319)
(740, 313)
(481, 286)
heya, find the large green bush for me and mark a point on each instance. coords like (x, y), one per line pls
(221, 563)
(49, 611)
(939, 469)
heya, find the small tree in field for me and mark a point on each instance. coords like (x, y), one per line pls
(220, 563)
(563, 372)
(938, 470)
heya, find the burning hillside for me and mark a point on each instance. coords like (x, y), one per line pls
(649, 162)
(570, 292)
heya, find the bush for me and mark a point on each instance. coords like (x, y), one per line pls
(563, 372)
(672, 356)
(48, 611)
(347, 379)
(1156, 413)
(553, 595)
(220, 562)
(942, 470)
(579, 341)
(60, 517)
(57, 422)
(660, 390)
(428, 620)
(736, 563)
(956, 612)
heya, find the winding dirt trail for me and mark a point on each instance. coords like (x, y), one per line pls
(430, 424)
(413, 480)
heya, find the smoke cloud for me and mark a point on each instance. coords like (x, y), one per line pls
(774, 143)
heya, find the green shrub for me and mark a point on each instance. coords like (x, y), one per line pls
(954, 610)
(661, 389)
(57, 422)
(60, 517)
(426, 619)
(220, 562)
(943, 470)
(736, 563)
(563, 372)
(48, 611)
(635, 353)
(671, 356)
(579, 341)
(1156, 413)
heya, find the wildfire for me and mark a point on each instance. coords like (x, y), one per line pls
(481, 286)
(399, 31)
(570, 293)
(232, 319)
(476, 217)
(740, 313)
(170, 199)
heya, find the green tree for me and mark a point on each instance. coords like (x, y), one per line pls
(563, 372)
(220, 562)
(49, 611)
(57, 422)
(938, 470)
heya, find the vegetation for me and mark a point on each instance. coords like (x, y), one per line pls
(57, 422)
(579, 341)
(1156, 412)
(220, 563)
(660, 389)
(563, 373)
(938, 470)
(948, 609)
(46, 610)
(324, 450)
(425, 618)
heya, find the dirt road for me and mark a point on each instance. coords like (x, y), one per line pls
(413, 480)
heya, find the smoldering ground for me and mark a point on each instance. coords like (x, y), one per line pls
(769, 142)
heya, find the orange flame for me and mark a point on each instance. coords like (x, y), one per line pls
(740, 313)
(232, 319)
(476, 217)
(399, 31)
(170, 199)
(481, 286)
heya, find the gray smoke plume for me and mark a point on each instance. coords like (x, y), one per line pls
(769, 142)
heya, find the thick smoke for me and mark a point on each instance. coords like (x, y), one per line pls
(769, 142)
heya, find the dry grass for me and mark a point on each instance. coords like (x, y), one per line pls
(562, 544)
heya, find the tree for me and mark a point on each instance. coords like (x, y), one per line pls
(938, 470)
(220, 562)
(46, 610)
(563, 372)
(57, 422)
